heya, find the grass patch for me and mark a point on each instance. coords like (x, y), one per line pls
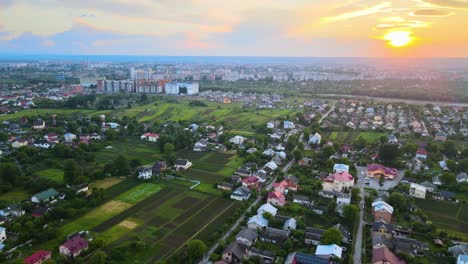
(14, 196)
(106, 183)
(119, 230)
(52, 174)
(139, 193)
(95, 217)
(131, 148)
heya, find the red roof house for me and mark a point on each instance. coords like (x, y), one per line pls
(377, 171)
(276, 198)
(74, 246)
(251, 182)
(39, 257)
(384, 256)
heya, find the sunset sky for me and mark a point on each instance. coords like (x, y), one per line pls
(322, 28)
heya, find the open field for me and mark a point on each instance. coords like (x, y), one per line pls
(45, 112)
(14, 196)
(139, 193)
(131, 148)
(350, 136)
(447, 216)
(106, 183)
(52, 174)
(166, 221)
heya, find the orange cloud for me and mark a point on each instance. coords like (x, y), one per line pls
(192, 41)
(358, 13)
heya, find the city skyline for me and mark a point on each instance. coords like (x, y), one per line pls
(299, 28)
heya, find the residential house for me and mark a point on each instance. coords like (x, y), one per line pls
(48, 195)
(462, 259)
(159, 166)
(301, 200)
(440, 136)
(382, 228)
(267, 208)
(243, 172)
(269, 152)
(39, 211)
(329, 251)
(13, 210)
(343, 199)
(421, 154)
(225, 186)
(377, 171)
(250, 182)
(182, 164)
(382, 211)
(276, 198)
(417, 190)
(39, 124)
(290, 224)
(458, 250)
(273, 235)
(430, 187)
(462, 177)
(315, 139)
(74, 247)
(84, 187)
(145, 172)
(152, 137)
(338, 182)
(271, 124)
(247, 236)
(303, 258)
(436, 180)
(3, 236)
(235, 253)
(392, 139)
(19, 143)
(257, 222)
(444, 195)
(313, 235)
(38, 257)
(266, 256)
(237, 140)
(384, 256)
(409, 246)
(305, 162)
(341, 168)
(271, 165)
(346, 235)
(95, 136)
(51, 137)
(242, 193)
(44, 144)
(69, 137)
(288, 125)
(200, 145)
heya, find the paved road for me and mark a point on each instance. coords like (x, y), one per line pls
(237, 223)
(358, 240)
(327, 113)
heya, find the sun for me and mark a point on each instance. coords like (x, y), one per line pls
(398, 38)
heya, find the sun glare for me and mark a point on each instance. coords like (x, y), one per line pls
(398, 38)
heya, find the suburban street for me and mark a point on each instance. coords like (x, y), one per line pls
(358, 240)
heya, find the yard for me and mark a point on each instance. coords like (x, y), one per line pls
(131, 148)
(350, 136)
(139, 193)
(106, 183)
(447, 216)
(14, 196)
(52, 174)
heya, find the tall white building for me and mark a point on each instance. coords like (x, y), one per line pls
(182, 88)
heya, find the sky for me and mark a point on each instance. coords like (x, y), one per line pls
(305, 28)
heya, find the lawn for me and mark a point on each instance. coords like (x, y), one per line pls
(14, 196)
(106, 183)
(139, 193)
(52, 174)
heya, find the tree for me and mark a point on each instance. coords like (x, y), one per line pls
(389, 153)
(8, 173)
(399, 202)
(99, 257)
(306, 134)
(121, 166)
(450, 149)
(331, 236)
(328, 151)
(169, 153)
(297, 154)
(355, 195)
(350, 213)
(195, 249)
(71, 171)
(448, 178)
(383, 139)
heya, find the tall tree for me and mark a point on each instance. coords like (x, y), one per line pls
(71, 171)
(169, 153)
(196, 249)
(331, 236)
(122, 166)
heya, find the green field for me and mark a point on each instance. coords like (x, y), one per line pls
(448, 216)
(14, 196)
(44, 112)
(167, 221)
(139, 193)
(350, 136)
(52, 174)
(131, 148)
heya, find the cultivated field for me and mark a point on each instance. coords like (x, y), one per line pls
(166, 221)
(350, 136)
(448, 216)
(131, 148)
